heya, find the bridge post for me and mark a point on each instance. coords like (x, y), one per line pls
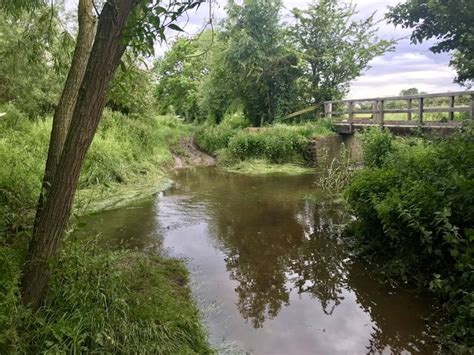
(350, 111)
(451, 108)
(381, 113)
(409, 109)
(374, 111)
(472, 107)
(328, 109)
(420, 111)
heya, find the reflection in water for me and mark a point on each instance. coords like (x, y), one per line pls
(272, 261)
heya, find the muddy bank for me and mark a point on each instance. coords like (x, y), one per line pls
(188, 155)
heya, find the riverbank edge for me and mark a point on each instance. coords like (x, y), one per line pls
(165, 275)
(259, 167)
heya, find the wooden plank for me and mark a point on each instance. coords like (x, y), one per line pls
(381, 112)
(337, 113)
(415, 110)
(306, 110)
(447, 109)
(350, 110)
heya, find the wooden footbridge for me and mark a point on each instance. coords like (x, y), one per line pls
(440, 112)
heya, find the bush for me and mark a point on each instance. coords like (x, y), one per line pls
(23, 149)
(235, 120)
(276, 144)
(376, 145)
(415, 215)
(213, 138)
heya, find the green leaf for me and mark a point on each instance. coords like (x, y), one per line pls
(175, 27)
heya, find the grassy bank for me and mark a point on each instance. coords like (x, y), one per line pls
(98, 301)
(414, 203)
(278, 148)
(128, 156)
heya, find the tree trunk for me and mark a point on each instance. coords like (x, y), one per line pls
(67, 102)
(50, 227)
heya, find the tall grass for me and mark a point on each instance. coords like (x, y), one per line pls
(124, 150)
(98, 301)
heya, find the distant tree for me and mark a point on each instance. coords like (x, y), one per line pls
(180, 73)
(261, 71)
(409, 92)
(334, 47)
(450, 22)
(131, 90)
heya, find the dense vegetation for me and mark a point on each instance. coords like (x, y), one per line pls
(98, 300)
(256, 64)
(250, 70)
(414, 203)
(126, 151)
(277, 144)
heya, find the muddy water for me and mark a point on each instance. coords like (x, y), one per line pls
(268, 270)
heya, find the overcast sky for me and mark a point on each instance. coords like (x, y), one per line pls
(408, 66)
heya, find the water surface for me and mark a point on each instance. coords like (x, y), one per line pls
(268, 269)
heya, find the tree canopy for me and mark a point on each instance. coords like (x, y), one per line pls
(449, 22)
(335, 48)
(264, 67)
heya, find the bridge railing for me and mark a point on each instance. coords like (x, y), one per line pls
(415, 105)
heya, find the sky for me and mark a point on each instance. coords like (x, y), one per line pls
(407, 66)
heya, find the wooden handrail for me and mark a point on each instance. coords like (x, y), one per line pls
(407, 97)
(378, 110)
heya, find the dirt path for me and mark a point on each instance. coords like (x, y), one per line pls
(188, 155)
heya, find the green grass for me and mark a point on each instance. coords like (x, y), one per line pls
(260, 167)
(100, 301)
(129, 156)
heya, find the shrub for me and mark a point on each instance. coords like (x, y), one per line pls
(213, 138)
(415, 215)
(235, 120)
(338, 174)
(23, 149)
(376, 145)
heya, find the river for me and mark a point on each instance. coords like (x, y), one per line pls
(268, 269)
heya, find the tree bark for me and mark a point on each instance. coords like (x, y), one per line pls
(67, 102)
(104, 59)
